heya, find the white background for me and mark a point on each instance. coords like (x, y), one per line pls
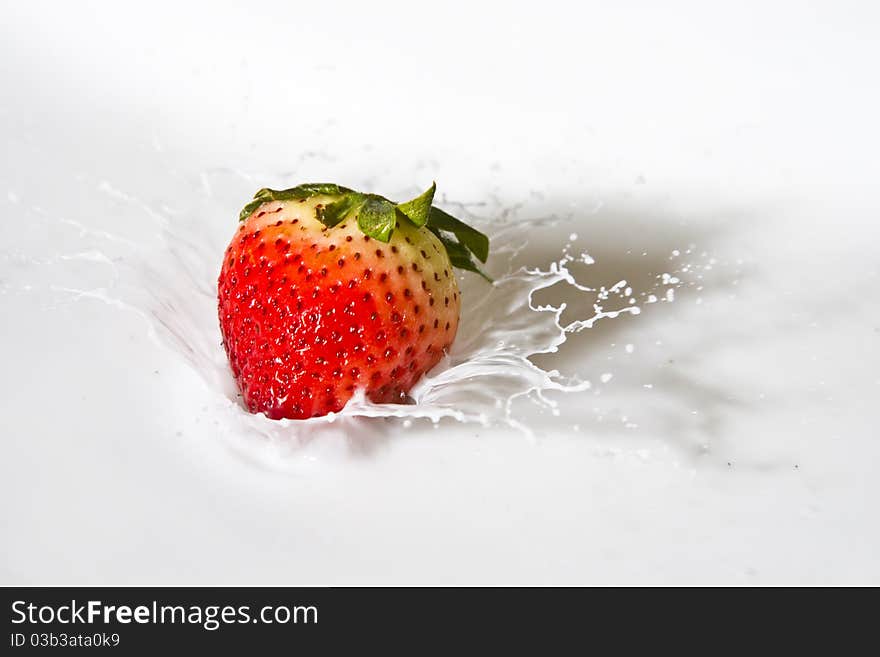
(747, 129)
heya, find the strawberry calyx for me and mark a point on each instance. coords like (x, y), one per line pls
(377, 217)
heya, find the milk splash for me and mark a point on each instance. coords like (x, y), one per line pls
(168, 276)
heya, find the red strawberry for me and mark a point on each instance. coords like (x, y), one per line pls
(325, 290)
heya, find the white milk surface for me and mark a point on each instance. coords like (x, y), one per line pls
(673, 379)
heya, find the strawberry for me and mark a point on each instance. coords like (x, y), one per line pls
(325, 290)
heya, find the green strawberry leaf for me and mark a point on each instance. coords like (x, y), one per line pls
(293, 194)
(460, 256)
(332, 213)
(248, 210)
(377, 217)
(417, 210)
(475, 241)
(315, 189)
